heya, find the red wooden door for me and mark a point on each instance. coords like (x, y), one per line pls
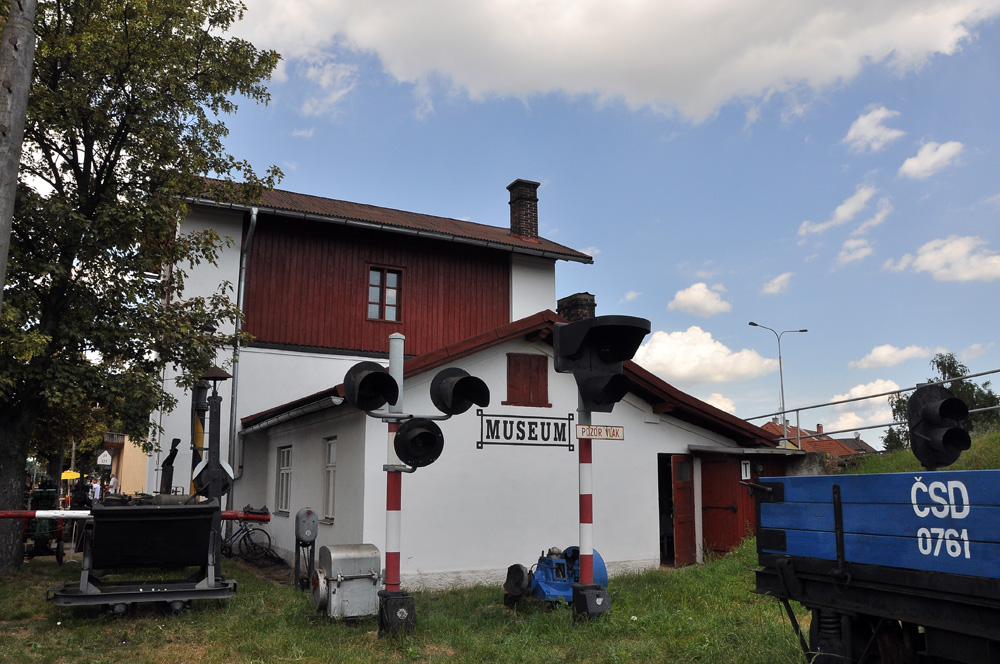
(723, 522)
(685, 545)
(727, 506)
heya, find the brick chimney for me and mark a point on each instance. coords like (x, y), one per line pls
(524, 209)
(577, 307)
(819, 428)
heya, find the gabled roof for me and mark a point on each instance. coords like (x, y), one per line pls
(293, 206)
(663, 397)
(859, 446)
(811, 441)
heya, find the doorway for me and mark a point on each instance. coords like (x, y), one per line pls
(666, 509)
(675, 484)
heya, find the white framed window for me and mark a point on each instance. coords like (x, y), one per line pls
(283, 492)
(331, 478)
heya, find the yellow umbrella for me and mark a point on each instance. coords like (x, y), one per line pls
(70, 475)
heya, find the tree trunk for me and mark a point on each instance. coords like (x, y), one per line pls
(17, 53)
(16, 425)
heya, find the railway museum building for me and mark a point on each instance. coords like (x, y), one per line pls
(323, 283)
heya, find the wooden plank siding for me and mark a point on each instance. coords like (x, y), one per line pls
(728, 508)
(307, 286)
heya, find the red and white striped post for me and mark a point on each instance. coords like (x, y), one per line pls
(586, 504)
(397, 609)
(393, 522)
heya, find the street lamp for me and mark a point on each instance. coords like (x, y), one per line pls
(781, 376)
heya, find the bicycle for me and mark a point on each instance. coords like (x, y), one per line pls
(254, 543)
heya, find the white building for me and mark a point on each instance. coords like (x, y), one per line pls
(323, 283)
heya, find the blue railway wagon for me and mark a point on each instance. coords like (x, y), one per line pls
(901, 567)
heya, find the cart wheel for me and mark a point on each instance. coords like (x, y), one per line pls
(119, 609)
(176, 606)
(60, 552)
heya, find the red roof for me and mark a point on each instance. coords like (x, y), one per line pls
(811, 441)
(315, 208)
(663, 397)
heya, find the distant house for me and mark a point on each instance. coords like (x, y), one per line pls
(817, 441)
(323, 284)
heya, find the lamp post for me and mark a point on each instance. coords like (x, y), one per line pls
(216, 483)
(781, 376)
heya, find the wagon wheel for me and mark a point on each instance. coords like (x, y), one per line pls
(880, 642)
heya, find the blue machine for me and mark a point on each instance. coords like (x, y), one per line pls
(552, 578)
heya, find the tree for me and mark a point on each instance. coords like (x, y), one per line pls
(975, 396)
(122, 128)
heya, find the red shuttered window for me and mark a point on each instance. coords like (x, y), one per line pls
(527, 380)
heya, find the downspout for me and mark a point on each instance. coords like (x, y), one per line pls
(234, 396)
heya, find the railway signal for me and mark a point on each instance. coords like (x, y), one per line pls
(935, 416)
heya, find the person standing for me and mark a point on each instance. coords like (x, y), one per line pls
(113, 484)
(95, 489)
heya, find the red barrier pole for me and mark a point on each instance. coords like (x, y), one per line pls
(231, 515)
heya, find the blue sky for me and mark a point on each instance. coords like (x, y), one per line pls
(830, 166)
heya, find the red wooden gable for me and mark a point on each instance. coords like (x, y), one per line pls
(307, 286)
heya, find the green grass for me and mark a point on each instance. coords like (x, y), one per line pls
(983, 455)
(696, 614)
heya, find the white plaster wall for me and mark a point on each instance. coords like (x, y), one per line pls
(474, 512)
(202, 280)
(532, 285)
(267, 378)
(307, 436)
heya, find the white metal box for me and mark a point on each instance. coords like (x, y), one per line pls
(346, 581)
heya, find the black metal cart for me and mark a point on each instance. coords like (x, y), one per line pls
(133, 537)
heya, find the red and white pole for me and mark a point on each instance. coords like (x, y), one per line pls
(44, 514)
(227, 515)
(393, 522)
(586, 506)
(394, 476)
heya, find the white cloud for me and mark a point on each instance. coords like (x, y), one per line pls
(867, 412)
(303, 133)
(693, 357)
(931, 158)
(721, 402)
(884, 210)
(591, 251)
(867, 133)
(844, 213)
(332, 82)
(700, 300)
(648, 53)
(854, 250)
(777, 285)
(888, 355)
(866, 390)
(974, 351)
(954, 258)
(630, 295)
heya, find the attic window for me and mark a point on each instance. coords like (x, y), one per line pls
(527, 380)
(383, 294)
